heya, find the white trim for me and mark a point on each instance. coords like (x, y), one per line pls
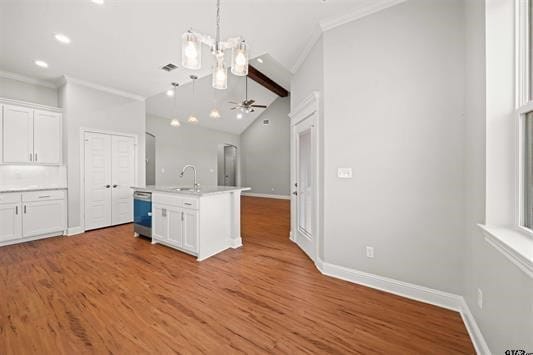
(522, 53)
(26, 79)
(335, 21)
(84, 130)
(71, 80)
(313, 39)
(29, 105)
(515, 246)
(416, 292)
(279, 197)
(75, 231)
(234, 243)
(356, 14)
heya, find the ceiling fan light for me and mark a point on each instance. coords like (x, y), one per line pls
(239, 116)
(175, 123)
(214, 113)
(239, 59)
(191, 51)
(220, 75)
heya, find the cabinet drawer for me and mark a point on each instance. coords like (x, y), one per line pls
(174, 200)
(10, 197)
(43, 195)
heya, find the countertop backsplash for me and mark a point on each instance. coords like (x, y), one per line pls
(32, 177)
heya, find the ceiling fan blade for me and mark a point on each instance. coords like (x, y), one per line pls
(233, 102)
(260, 106)
(233, 108)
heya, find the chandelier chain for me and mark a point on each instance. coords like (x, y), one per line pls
(217, 39)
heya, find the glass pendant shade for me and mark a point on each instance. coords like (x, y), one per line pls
(191, 51)
(220, 75)
(192, 119)
(175, 123)
(239, 59)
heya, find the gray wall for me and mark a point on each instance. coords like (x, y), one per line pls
(18, 90)
(506, 319)
(89, 108)
(395, 115)
(265, 154)
(188, 144)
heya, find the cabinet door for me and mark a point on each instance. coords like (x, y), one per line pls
(123, 178)
(18, 134)
(10, 222)
(159, 222)
(47, 137)
(190, 230)
(97, 180)
(175, 229)
(43, 217)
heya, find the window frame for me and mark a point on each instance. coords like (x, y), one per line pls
(523, 101)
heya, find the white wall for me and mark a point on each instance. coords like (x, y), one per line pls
(395, 115)
(506, 319)
(188, 144)
(265, 152)
(89, 108)
(19, 90)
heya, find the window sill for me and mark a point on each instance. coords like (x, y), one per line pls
(516, 246)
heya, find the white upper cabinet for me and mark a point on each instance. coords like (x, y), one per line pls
(18, 134)
(47, 137)
(30, 136)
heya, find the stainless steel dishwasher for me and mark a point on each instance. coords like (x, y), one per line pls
(142, 213)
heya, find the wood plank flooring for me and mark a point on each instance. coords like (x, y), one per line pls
(107, 292)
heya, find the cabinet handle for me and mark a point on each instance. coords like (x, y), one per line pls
(187, 204)
(182, 216)
(24, 209)
(36, 157)
(164, 212)
(16, 210)
(45, 196)
(31, 157)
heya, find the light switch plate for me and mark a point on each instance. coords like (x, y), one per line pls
(344, 173)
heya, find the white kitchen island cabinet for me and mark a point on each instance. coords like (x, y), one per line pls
(201, 222)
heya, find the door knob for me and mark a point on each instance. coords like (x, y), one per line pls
(107, 186)
(295, 193)
(115, 186)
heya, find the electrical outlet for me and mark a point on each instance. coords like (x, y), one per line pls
(369, 252)
(480, 298)
(344, 173)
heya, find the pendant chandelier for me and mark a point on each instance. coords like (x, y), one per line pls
(192, 118)
(175, 122)
(191, 54)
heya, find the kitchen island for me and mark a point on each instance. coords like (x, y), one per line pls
(202, 221)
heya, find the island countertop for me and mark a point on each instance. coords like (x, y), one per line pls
(188, 190)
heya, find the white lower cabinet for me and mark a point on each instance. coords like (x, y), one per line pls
(175, 226)
(10, 222)
(32, 215)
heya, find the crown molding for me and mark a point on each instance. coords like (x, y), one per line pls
(376, 6)
(71, 80)
(335, 21)
(26, 79)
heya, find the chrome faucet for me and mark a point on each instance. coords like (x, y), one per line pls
(196, 184)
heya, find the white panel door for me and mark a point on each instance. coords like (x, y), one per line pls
(43, 217)
(190, 230)
(47, 137)
(123, 178)
(304, 174)
(175, 230)
(18, 134)
(10, 222)
(97, 180)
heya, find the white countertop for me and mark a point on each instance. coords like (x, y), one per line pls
(203, 190)
(30, 188)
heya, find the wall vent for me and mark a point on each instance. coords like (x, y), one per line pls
(169, 67)
(266, 122)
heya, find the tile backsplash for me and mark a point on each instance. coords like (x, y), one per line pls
(30, 176)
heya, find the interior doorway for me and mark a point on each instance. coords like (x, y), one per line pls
(150, 159)
(227, 165)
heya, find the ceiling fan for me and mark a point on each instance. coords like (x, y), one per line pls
(246, 106)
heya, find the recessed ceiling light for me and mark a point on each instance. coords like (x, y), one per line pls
(41, 63)
(170, 92)
(98, 2)
(239, 116)
(62, 38)
(175, 123)
(192, 119)
(260, 60)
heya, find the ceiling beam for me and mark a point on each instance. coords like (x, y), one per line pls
(265, 81)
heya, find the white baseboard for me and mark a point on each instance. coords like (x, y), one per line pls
(75, 231)
(235, 243)
(412, 291)
(279, 197)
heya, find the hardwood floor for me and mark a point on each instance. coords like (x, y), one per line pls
(107, 292)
